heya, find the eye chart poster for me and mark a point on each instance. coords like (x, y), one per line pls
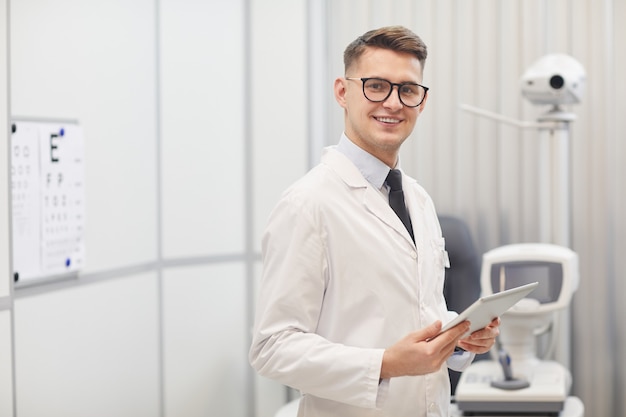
(48, 199)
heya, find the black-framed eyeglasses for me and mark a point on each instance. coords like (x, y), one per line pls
(379, 89)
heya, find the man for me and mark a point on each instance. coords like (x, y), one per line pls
(351, 301)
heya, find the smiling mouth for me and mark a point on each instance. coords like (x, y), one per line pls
(387, 120)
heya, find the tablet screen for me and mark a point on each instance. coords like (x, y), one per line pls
(486, 308)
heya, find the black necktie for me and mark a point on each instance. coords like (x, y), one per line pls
(396, 199)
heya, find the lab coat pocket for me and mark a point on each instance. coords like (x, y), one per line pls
(441, 255)
(442, 261)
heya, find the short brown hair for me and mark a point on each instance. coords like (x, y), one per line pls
(395, 38)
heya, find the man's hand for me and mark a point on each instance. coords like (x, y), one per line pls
(481, 340)
(420, 352)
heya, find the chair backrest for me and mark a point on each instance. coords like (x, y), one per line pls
(462, 282)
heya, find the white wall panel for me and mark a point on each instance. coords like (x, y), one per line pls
(95, 62)
(89, 351)
(203, 121)
(6, 371)
(6, 337)
(5, 271)
(279, 101)
(205, 341)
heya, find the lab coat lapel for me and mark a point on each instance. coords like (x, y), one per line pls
(371, 197)
(378, 206)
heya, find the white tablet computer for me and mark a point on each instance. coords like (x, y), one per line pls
(487, 308)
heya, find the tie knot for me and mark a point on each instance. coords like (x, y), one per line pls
(394, 180)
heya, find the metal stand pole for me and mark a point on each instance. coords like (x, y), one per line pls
(554, 183)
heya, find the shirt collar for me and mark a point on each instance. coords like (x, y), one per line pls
(373, 169)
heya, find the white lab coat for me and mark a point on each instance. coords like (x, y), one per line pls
(342, 280)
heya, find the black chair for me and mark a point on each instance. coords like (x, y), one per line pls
(462, 282)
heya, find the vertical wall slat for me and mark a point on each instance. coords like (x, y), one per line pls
(618, 221)
(509, 137)
(467, 92)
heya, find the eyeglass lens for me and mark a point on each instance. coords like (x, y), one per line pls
(379, 90)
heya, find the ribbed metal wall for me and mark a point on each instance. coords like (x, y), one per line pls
(488, 172)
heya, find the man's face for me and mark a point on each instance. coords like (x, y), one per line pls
(379, 128)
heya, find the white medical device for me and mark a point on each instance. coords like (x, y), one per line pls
(522, 380)
(554, 79)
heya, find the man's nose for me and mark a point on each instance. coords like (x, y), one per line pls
(393, 101)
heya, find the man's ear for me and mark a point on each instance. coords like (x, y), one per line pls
(340, 91)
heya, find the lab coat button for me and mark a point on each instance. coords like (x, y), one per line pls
(432, 407)
(413, 254)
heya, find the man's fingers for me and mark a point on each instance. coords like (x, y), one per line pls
(454, 334)
(449, 337)
(428, 332)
